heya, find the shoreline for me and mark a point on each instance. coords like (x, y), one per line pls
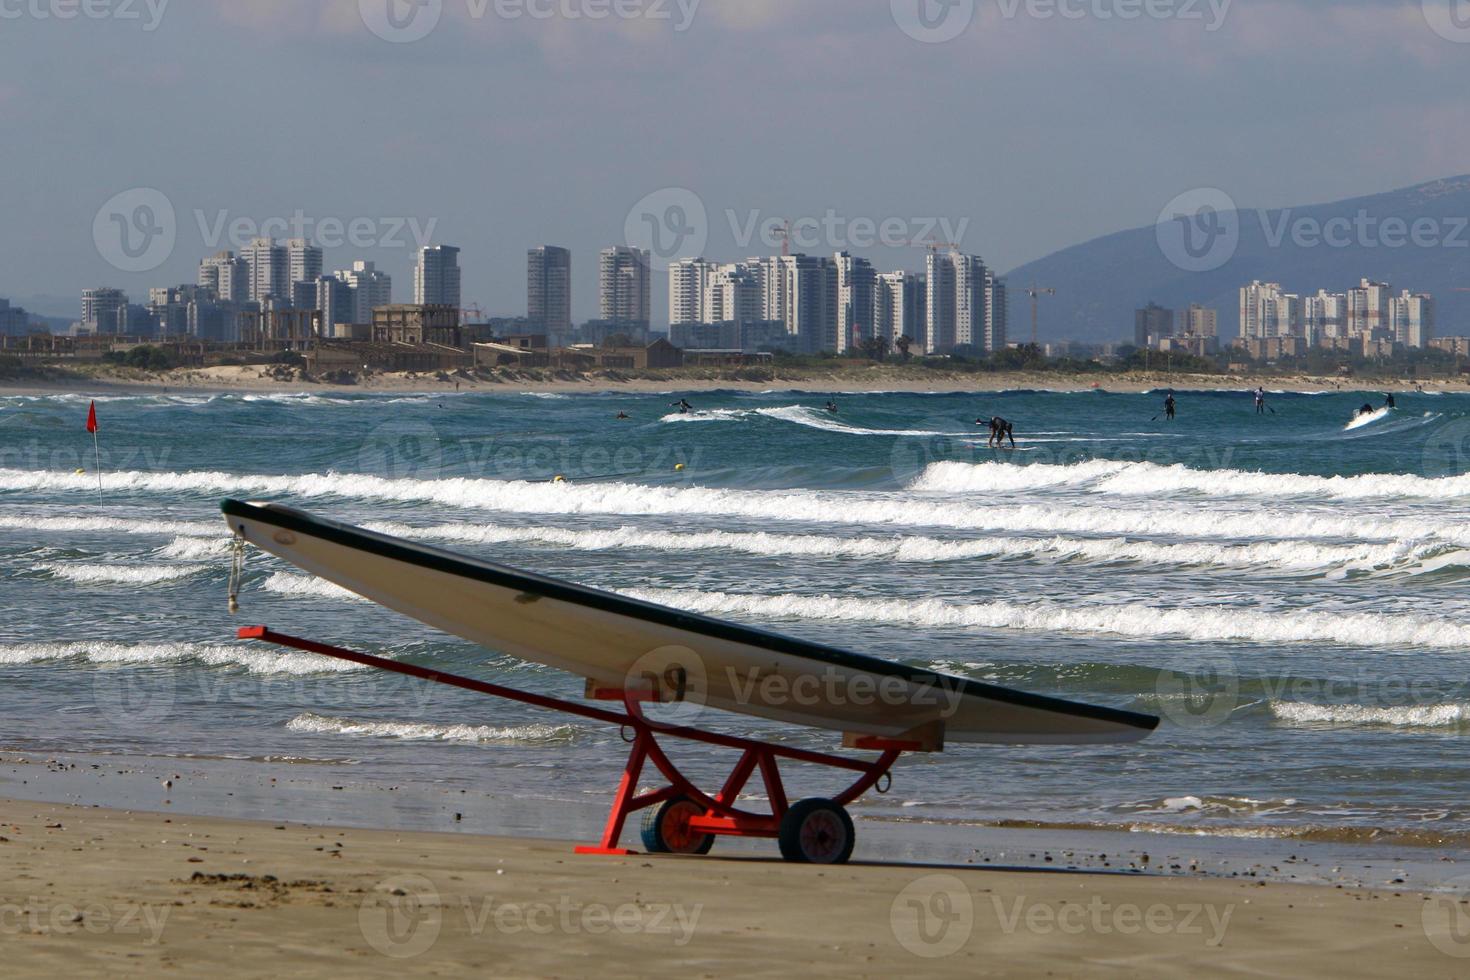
(881, 379)
(132, 892)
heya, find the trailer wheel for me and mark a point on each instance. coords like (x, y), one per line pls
(816, 831)
(666, 828)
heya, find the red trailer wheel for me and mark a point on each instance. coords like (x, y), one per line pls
(666, 829)
(816, 831)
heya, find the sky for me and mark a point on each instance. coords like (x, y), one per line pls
(142, 135)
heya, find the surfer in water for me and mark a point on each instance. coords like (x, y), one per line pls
(1169, 406)
(682, 405)
(1000, 430)
(1261, 400)
(1388, 400)
(622, 415)
(1366, 409)
(832, 407)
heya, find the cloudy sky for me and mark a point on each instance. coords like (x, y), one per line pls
(140, 135)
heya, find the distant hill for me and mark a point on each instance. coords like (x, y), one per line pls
(1100, 283)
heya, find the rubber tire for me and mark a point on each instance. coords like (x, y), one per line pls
(791, 836)
(655, 830)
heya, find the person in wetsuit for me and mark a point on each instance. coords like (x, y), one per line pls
(1000, 430)
(1169, 406)
(682, 405)
(1261, 401)
(1388, 400)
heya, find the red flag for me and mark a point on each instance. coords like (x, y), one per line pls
(92, 417)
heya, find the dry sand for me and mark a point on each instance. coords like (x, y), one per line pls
(877, 378)
(105, 892)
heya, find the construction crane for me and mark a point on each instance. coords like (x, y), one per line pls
(1036, 292)
(784, 233)
(933, 245)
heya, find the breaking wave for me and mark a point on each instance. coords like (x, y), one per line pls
(1194, 623)
(313, 724)
(1450, 715)
(256, 661)
(120, 574)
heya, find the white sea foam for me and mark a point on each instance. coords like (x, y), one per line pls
(196, 549)
(828, 422)
(418, 731)
(1201, 623)
(35, 522)
(1153, 479)
(307, 586)
(135, 574)
(257, 660)
(1293, 555)
(1449, 715)
(805, 506)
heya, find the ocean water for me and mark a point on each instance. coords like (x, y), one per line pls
(1288, 590)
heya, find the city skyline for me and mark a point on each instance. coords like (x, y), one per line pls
(494, 175)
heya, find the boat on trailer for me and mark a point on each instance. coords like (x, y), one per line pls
(637, 653)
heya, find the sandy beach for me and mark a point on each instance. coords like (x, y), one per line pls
(877, 378)
(116, 892)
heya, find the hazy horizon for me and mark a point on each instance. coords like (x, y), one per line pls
(1039, 124)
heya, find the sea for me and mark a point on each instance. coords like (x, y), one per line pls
(1285, 589)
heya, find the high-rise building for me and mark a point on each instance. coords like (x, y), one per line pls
(336, 300)
(436, 277)
(689, 281)
(549, 290)
(104, 310)
(899, 307)
(623, 285)
(304, 261)
(808, 285)
(1324, 315)
(1367, 308)
(966, 304)
(997, 312)
(1151, 324)
(228, 275)
(370, 289)
(1412, 318)
(270, 270)
(14, 321)
(854, 320)
(732, 293)
(1197, 321)
(1266, 310)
